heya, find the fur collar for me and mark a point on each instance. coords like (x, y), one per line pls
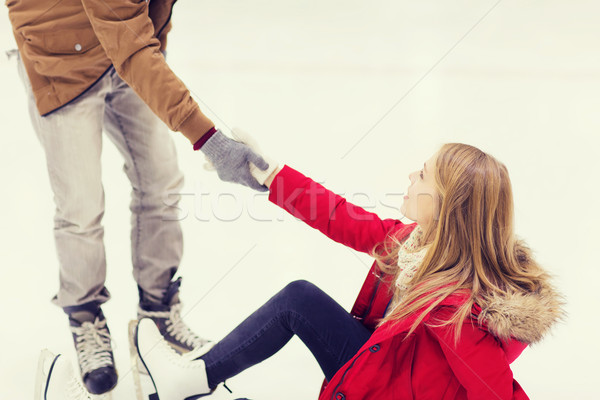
(526, 317)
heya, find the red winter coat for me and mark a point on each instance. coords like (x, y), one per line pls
(427, 364)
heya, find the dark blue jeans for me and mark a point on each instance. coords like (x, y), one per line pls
(330, 333)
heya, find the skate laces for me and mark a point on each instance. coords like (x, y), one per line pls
(175, 326)
(92, 343)
(168, 352)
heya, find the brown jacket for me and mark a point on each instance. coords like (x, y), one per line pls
(68, 45)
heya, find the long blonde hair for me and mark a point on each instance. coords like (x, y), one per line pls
(472, 247)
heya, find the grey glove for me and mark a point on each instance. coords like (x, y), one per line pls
(232, 160)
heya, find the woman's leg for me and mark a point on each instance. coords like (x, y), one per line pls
(330, 332)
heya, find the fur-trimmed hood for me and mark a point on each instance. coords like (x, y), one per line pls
(526, 317)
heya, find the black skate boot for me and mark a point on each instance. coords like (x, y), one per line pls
(166, 314)
(94, 351)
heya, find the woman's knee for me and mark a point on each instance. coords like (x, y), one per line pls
(299, 288)
(298, 296)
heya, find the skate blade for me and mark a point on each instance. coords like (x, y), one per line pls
(146, 391)
(45, 362)
(134, 359)
(133, 349)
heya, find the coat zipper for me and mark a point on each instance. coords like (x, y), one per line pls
(168, 19)
(368, 310)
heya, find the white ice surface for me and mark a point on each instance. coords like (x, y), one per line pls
(309, 80)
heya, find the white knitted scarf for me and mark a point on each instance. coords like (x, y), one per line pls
(409, 260)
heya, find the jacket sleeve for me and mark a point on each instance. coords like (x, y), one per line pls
(479, 363)
(127, 35)
(331, 214)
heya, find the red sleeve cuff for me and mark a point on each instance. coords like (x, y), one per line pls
(285, 182)
(198, 145)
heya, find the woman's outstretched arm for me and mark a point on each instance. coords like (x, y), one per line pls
(331, 214)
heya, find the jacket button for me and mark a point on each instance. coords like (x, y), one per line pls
(340, 396)
(374, 349)
(78, 47)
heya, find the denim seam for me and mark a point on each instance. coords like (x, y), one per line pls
(318, 336)
(245, 344)
(141, 197)
(261, 331)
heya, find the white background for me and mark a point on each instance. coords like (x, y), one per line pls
(309, 80)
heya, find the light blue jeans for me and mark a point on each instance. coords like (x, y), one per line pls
(72, 140)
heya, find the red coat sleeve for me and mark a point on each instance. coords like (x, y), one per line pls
(479, 364)
(331, 214)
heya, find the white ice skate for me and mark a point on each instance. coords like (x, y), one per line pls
(55, 380)
(174, 330)
(173, 376)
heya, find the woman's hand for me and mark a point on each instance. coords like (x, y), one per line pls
(271, 177)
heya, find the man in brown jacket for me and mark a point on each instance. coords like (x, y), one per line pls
(91, 66)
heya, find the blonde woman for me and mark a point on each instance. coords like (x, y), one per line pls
(449, 303)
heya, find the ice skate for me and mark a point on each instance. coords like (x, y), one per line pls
(174, 330)
(94, 352)
(174, 377)
(166, 313)
(55, 380)
(137, 367)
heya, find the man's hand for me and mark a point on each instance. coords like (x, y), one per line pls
(232, 160)
(261, 175)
